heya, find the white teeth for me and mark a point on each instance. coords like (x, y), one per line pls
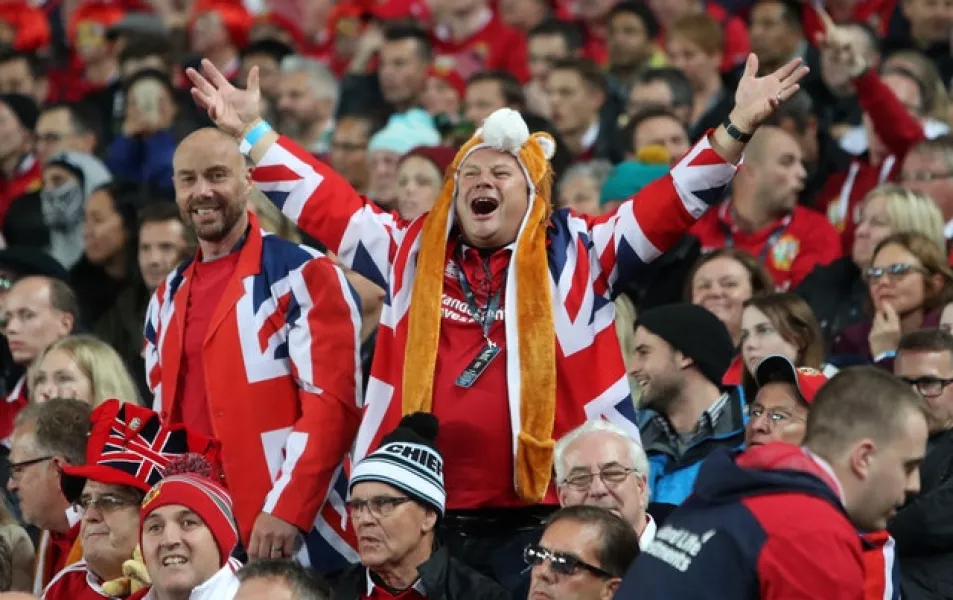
(205, 211)
(173, 560)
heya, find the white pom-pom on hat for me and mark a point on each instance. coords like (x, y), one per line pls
(547, 144)
(505, 130)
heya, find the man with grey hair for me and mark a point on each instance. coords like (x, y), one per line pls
(307, 98)
(47, 437)
(277, 579)
(599, 464)
(927, 168)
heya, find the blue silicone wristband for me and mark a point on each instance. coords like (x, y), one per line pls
(252, 137)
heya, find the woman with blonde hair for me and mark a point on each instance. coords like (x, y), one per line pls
(837, 292)
(81, 367)
(909, 282)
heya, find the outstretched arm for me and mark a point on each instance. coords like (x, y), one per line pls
(308, 192)
(653, 220)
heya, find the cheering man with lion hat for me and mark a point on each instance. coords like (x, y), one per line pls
(499, 314)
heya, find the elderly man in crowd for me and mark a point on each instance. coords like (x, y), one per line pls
(275, 579)
(779, 410)
(922, 526)
(599, 464)
(188, 532)
(49, 437)
(583, 554)
(396, 496)
(126, 456)
(780, 521)
(36, 312)
(537, 364)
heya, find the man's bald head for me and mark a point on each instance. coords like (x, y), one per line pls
(773, 170)
(760, 145)
(212, 183)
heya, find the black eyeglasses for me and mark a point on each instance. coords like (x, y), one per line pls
(894, 272)
(380, 506)
(16, 468)
(929, 387)
(560, 562)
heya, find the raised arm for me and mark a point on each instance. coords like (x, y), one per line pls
(308, 192)
(653, 220)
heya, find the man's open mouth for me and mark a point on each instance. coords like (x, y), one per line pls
(484, 205)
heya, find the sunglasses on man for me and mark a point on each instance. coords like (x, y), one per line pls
(560, 562)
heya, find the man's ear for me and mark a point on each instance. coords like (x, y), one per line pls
(430, 520)
(862, 457)
(67, 323)
(682, 361)
(609, 589)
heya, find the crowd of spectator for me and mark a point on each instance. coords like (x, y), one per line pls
(406, 299)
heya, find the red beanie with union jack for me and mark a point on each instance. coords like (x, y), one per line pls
(196, 492)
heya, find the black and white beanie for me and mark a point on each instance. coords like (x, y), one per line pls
(408, 459)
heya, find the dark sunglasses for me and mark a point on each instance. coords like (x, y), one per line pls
(560, 562)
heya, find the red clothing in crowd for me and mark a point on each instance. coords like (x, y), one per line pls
(737, 46)
(788, 249)
(55, 552)
(209, 279)
(27, 178)
(844, 191)
(30, 25)
(493, 46)
(75, 582)
(10, 407)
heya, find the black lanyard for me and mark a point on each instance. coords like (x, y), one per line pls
(492, 305)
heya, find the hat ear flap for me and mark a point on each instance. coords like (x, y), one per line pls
(547, 143)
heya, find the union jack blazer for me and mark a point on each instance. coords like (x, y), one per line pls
(283, 381)
(587, 258)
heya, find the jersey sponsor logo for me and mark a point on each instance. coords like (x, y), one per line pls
(457, 310)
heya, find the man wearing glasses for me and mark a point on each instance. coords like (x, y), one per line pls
(47, 438)
(922, 526)
(583, 554)
(784, 397)
(598, 464)
(126, 456)
(396, 497)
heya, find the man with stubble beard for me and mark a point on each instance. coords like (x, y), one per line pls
(252, 318)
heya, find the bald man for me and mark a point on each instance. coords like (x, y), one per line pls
(762, 216)
(254, 341)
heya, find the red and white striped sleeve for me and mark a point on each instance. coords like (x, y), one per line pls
(326, 207)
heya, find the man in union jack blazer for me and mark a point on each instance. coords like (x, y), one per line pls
(499, 314)
(255, 341)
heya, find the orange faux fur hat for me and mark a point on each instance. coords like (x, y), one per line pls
(530, 336)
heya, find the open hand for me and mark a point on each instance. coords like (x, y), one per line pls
(840, 51)
(233, 110)
(758, 97)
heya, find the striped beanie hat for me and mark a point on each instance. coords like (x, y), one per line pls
(408, 459)
(207, 499)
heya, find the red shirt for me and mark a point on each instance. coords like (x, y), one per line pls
(788, 249)
(75, 582)
(58, 553)
(478, 416)
(27, 178)
(209, 280)
(493, 46)
(10, 407)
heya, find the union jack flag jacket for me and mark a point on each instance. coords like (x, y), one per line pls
(283, 378)
(587, 258)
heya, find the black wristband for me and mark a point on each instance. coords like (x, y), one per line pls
(736, 133)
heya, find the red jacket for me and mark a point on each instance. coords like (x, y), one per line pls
(54, 553)
(494, 46)
(845, 191)
(282, 370)
(10, 407)
(788, 249)
(75, 582)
